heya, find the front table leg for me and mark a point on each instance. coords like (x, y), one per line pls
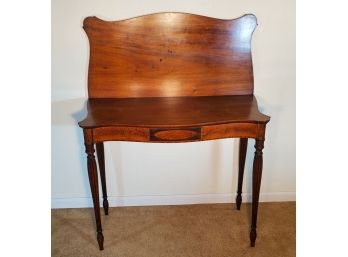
(257, 173)
(93, 181)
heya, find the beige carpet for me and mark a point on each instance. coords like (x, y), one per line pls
(210, 230)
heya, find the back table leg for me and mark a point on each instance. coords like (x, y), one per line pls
(257, 173)
(101, 162)
(243, 144)
(93, 181)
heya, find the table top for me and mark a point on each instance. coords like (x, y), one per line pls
(172, 111)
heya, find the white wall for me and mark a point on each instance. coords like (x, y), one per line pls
(139, 173)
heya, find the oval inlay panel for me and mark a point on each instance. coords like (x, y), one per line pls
(176, 134)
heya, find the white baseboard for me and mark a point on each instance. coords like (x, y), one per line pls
(115, 201)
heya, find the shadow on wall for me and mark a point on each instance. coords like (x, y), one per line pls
(79, 116)
(68, 143)
(69, 162)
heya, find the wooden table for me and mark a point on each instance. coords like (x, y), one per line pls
(169, 78)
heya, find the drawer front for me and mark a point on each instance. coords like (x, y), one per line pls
(232, 130)
(175, 135)
(121, 134)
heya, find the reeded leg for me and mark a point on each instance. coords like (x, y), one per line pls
(101, 162)
(243, 144)
(93, 181)
(257, 173)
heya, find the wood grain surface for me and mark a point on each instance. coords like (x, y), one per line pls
(172, 111)
(170, 54)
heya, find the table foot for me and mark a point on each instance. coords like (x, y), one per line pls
(238, 201)
(253, 236)
(100, 239)
(106, 206)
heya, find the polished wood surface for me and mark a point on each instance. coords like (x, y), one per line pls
(171, 78)
(174, 119)
(172, 111)
(93, 181)
(257, 173)
(170, 54)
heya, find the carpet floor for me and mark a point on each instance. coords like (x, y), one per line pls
(207, 230)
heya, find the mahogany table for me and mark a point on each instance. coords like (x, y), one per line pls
(169, 78)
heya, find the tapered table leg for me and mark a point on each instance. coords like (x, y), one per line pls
(243, 144)
(93, 180)
(257, 173)
(101, 162)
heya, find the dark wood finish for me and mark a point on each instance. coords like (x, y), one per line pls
(93, 180)
(243, 145)
(101, 162)
(170, 54)
(257, 173)
(164, 112)
(171, 77)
